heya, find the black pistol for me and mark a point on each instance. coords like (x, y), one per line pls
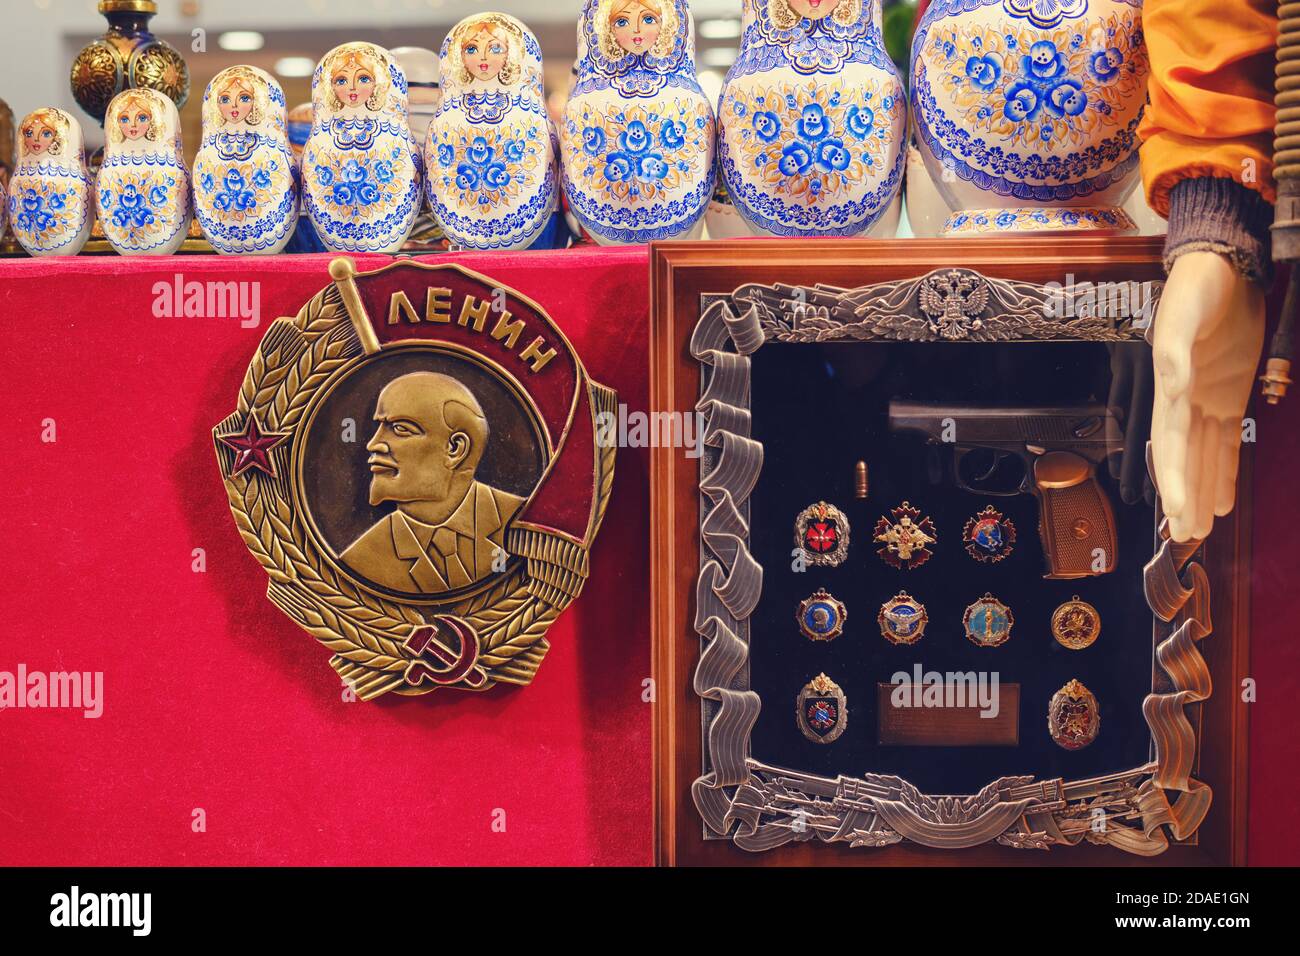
(1061, 449)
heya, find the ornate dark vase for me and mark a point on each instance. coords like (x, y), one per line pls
(128, 56)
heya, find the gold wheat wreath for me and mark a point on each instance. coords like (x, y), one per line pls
(377, 643)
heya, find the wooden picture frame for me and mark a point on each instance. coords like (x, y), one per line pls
(1179, 580)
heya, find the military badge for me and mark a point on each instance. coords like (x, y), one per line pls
(1076, 624)
(905, 540)
(989, 536)
(902, 619)
(414, 460)
(821, 617)
(822, 532)
(1073, 716)
(988, 622)
(822, 710)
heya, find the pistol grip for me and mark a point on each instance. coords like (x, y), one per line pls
(1075, 520)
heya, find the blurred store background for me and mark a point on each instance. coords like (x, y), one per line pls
(40, 39)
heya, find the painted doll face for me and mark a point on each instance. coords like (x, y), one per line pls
(132, 120)
(235, 102)
(485, 55)
(635, 26)
(814, 9)
(38, 138)
(353, 83)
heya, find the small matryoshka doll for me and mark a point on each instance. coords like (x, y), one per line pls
(638, 132)
(50, 195)
(143, 187)
(813, 119)
(245, 188)
(491, 154)
(360, 173)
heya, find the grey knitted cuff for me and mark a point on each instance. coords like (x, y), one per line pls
(1214, 214)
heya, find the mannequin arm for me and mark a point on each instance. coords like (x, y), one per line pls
(1207, 165)
(1209, 332)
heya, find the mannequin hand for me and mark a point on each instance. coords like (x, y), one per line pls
(1208, 337)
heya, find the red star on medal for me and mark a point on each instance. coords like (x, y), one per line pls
(252, 448)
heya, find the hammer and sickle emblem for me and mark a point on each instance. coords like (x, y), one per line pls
(427, 644)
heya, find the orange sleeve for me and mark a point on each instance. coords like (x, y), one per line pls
(1211, 112)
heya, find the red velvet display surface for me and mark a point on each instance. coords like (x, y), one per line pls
(213, 699)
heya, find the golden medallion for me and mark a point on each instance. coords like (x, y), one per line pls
(902, 619)
(988, 622)
(1073, 716)
(821, 616)
(1076, 624)
(822, 710)
(905, 537)
(822, 532)
(415, 460)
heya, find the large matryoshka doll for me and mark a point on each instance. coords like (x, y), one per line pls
(143, 188)
(638, 134)
(491, 151)
(360, 174)
(813, 119)
(1027, 111)
(245, 186)
(50, 194)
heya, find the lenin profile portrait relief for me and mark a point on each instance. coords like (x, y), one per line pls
(447, 527)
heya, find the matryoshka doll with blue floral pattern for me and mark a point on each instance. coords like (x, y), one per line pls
(50, 195)
(491, 153)
(813, 119)
(360, 168)
(245, 181)
(1026, 111)
(143, 187)
(638, 134)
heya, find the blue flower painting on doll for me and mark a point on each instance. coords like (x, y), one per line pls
(139, 207)
(1020, 102)
(1044, 65)
(236, 194)
(1026, 88)
(356, 184)
(1105, 65)
(133, 210)
(36, 214)
(984, 71)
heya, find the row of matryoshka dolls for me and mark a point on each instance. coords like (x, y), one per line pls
(808, 139)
